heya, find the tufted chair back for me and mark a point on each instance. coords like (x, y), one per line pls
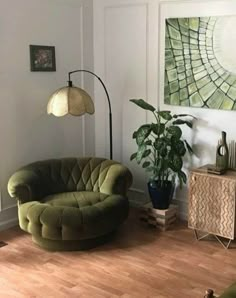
(62, 175)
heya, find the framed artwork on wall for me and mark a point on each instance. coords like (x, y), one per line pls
(42, 58)
(200, 64)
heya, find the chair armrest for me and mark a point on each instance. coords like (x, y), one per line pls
(229, 292)
(117, 181)
(25, 185)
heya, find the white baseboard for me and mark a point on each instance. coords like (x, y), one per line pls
(8, 218)
(8, 224)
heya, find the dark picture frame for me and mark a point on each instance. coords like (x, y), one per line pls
(42, 58)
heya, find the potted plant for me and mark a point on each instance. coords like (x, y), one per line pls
(160, 151)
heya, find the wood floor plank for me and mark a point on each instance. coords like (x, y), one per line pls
(139, 262)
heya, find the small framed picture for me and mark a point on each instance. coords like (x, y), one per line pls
(42, 58)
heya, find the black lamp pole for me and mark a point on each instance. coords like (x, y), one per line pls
(108, 99)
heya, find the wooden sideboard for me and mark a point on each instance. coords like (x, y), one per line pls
(212, 204)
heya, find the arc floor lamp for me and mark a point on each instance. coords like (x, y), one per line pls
(76, 101)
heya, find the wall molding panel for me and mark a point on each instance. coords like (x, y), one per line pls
(82, 74)
(125, 43)
(8, 218)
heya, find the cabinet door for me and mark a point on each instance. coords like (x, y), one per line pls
(212, 204)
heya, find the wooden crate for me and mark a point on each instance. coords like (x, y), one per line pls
(161, 219)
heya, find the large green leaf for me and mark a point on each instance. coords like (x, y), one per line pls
(141, 150)
(150, 169)
(159, 143)
(171, 154)
(134, 135)
(178, 147)
(175, 131)
(189, 148)
(168, 140)
(143, 104)
(146, 153)
(183, 115)
(176, 163)
(142, 133)
(166, 115)
(146, 164)
(181, 122)
(183, 176)
(158, 128)
(148, 143)
(180, 181)
(133, 156)
(163, 151)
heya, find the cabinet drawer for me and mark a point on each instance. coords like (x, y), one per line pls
(212, 205)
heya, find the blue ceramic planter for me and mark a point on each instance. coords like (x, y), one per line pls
(161, 197)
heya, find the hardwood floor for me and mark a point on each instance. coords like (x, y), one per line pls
(139, 262)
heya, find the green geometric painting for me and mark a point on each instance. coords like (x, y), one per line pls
(200, 68)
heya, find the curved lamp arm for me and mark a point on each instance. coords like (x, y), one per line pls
(108, 99)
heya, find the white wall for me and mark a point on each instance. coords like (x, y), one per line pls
(129, 55)
(27, 132)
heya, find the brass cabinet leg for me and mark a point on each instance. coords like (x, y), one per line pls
(201, 237)
(225, 245)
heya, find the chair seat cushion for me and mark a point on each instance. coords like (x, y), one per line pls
(77, 199)
(73, 215)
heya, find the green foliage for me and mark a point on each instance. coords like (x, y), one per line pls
(143, 104)
(165, 115)
(142, 133)
(180, 122)
(160, 145)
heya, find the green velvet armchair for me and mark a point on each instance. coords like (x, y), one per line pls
(230, 292)
(71, 203)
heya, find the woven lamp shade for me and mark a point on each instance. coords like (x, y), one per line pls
(70, 100)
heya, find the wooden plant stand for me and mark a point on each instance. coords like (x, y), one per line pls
(161, 219)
